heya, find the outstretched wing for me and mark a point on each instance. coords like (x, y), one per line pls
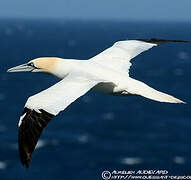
(119, 55)
(44, 106)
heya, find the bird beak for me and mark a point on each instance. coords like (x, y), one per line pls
(21, 68)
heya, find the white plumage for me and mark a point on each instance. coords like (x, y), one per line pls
(107, 72)
(119, 55)
(61, 95)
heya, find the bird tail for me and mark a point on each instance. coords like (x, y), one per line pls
(140, 88)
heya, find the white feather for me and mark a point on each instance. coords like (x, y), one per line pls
(62, 94)
(21, 118)
(110, 68)
(119, 55)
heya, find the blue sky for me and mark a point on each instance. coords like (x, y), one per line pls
(159, 10)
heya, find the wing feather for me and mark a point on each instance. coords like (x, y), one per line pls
(119, 55)
(30, 130)
(42, 107)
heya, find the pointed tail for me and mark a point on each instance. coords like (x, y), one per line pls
(140, 88)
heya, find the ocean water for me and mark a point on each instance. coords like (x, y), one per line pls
(97, 132)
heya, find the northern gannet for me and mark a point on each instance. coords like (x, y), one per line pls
(107, 72)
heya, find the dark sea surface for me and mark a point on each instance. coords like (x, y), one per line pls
(97, 132)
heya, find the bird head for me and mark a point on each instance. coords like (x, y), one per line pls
(45, 64)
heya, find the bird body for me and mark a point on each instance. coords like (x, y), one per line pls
(107, 72)
(109, 80)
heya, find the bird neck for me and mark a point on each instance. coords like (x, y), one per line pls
(64, 67)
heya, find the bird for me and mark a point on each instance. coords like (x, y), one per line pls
(107, 72)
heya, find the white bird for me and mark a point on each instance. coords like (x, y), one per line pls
(107, 72)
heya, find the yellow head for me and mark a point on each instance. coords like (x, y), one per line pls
(44, 64)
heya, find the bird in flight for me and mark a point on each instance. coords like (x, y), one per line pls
(107, 72)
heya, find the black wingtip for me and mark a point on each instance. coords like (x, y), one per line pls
(161, 41)
(30, 130)
(26, 164)
(26, 159)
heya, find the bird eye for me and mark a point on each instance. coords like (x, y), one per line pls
(31, 64)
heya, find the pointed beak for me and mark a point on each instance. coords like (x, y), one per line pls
(21, 68)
